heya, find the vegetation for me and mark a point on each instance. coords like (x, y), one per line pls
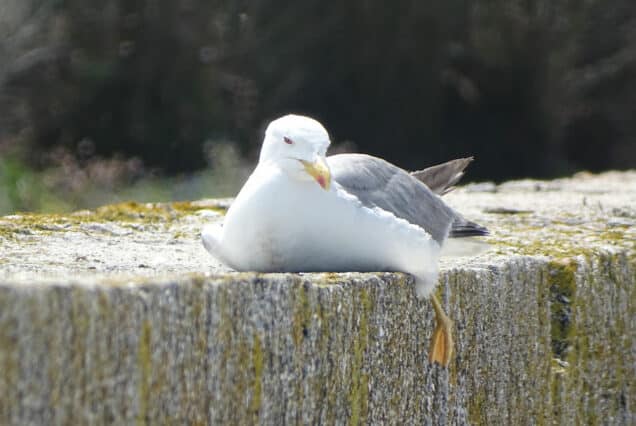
(68, 185)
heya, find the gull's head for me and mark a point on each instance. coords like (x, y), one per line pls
(298, 145)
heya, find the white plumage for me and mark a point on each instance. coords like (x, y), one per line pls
(291, 216)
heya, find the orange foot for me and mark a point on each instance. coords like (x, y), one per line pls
(442, 340)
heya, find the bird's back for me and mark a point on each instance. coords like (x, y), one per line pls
(378, 183)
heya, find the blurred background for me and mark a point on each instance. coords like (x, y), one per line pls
(157, 100)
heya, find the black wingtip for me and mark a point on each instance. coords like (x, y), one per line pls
(467, 228)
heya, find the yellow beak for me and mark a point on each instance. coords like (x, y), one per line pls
(319, 171)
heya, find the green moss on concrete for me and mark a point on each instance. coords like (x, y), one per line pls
(257, 385)
(302, 315)
(560, 238)
(193, 207)
(359, 389)
(476, 404)
(144, 360)
(328, 279)
(243, 385)
(9, 356)
(580, 292)
(562, 284)
(578, 267)
(241, 364)
(223, 336)
(123, 213)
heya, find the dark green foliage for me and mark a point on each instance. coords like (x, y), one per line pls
(529, 88)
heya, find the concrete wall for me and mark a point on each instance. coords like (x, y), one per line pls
(118, 316)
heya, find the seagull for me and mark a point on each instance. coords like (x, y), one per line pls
(301, 211)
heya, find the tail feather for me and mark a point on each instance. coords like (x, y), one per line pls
(441, 178)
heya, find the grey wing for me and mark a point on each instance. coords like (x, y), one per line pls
(378, 183)
(440, 179)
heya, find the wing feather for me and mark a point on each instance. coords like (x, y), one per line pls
(378, 183)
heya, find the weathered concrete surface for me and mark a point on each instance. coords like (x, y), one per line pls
(119, 316)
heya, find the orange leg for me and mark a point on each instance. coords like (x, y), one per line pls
(442, 340)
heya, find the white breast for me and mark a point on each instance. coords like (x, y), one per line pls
(281, 224)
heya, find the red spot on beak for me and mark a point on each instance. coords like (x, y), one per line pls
(321, 181)
(319, 171)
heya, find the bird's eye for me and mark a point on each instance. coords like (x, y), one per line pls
(287, 140)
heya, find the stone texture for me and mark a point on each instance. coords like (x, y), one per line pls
(119, 316)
